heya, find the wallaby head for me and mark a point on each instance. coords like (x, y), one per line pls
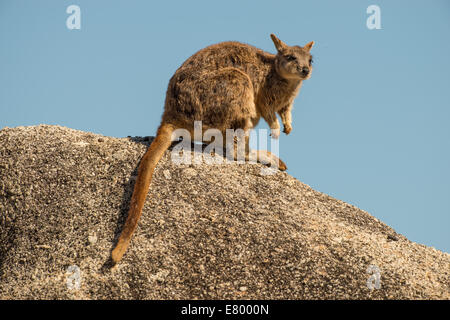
(293, 62)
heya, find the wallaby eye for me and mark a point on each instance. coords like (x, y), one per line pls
(290, 58)
(310, 61)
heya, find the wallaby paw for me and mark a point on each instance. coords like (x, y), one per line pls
(281, 165)
(275, 133)
(287, 129)
(268, 159)
(276, 162)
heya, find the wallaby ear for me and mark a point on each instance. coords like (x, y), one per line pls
(308, 46)
(280, 45)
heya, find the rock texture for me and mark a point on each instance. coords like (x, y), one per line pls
(207, 232)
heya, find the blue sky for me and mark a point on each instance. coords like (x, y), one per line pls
(371, 127)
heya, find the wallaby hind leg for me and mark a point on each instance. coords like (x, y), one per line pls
(241, 151)
(265, 157)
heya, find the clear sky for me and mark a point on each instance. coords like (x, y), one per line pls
(371, 127)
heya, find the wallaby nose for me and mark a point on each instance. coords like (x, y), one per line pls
(305, 70)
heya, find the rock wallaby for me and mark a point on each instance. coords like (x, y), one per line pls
(229, 85)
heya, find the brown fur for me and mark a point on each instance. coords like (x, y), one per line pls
(229, 85)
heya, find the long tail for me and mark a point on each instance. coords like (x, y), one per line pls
(148, 163)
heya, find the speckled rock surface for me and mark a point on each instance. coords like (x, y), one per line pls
(207, 231)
